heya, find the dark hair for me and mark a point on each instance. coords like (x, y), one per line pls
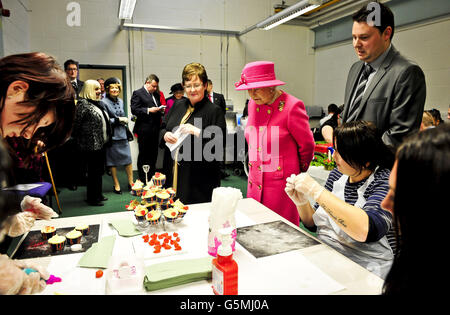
(176, 87)
(110, 81)
(386, 17)
(436, 116)
(49, 89)
(152, 77)
(423, 179)
(359, 143)
(69, 62)
(332, 108)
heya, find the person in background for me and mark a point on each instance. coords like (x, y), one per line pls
(196, 173)
(383, 86)
(329, 123)
(347, 214)
(436, 116)
(37, 103)
(418, 184)
(216, 98)
(427, 121)
(102, 87)
(280, 141)
(177, 92)
(92, 133)
(119, 153)
(71, 68)
(146, 105)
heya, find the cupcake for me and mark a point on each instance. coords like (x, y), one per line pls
(170, 214)
(165, 206)
(73, 237)
(137, 187)
(162, 197)
(177, 204)
(171, 192)
(182, 211)
(153, 217)
(149, 195)
(48, 231)
(57, 243)
(84, 229)
(140, 213)
(152, 206)
(132, 205)
(159, 179)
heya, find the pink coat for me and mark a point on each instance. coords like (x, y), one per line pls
(280, 143)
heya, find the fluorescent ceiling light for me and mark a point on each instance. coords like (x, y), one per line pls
(291, 16)
(126, 9)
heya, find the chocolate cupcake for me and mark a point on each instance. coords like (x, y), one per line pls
(57, 243)
(73, 237)
(47, 232)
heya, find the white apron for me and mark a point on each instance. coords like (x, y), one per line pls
(376, 257)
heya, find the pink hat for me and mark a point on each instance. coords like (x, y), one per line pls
(257, 74)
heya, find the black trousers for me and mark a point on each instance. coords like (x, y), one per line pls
(148, 153)
(95, 163)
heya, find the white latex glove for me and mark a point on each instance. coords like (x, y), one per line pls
(32, 204)
(308, 186)
(188, 128)
(19, 223)
(170, 137)
(13, 280)
(123, 120)
(297, 197)
(43, 273)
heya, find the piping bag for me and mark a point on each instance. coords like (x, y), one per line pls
(52, 279)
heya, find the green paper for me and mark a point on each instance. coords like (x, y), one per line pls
(178, 272)
(98, 255)
(125, 227)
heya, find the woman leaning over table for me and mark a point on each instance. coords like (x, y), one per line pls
(37, 103)
(195, 174)
(92, 133)
(119, 153)
(348, 215)
(280, 141)
(418, 187)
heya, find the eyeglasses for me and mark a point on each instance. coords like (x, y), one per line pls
(195, 86)
(71, 69)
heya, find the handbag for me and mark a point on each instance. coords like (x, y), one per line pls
(130, 136)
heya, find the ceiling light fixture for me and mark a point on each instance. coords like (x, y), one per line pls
(126, 9)
(289, 13)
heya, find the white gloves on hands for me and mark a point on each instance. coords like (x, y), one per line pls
(188, 128)
(13, 280)
(123, 120)
(305, 184)
(19, 223)
(40, 210)
(297, 197)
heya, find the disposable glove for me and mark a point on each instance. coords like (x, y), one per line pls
(123, 120)
(13, 280)
(297, 197)
(305, 184)
(34, 205)
(19, 223)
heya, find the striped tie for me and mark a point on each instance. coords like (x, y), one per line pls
(360, 91)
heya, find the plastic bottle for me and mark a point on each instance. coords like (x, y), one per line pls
(224, 267)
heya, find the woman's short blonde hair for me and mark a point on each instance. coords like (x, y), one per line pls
(194, 69)
(88, 90)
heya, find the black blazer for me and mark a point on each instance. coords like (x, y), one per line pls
(141, 101)
(218, 99)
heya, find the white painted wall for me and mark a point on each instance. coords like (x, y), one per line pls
(15, 29)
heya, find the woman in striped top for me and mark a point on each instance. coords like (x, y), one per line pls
(347, 214)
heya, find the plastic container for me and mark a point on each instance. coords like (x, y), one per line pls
(224, 267)
(125, 275)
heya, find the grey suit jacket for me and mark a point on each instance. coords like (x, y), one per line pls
(394, 99)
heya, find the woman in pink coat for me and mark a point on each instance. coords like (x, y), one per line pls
(280, 141)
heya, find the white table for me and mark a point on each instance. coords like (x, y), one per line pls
(278, 274)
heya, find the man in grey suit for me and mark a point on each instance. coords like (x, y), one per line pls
(383, 87)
